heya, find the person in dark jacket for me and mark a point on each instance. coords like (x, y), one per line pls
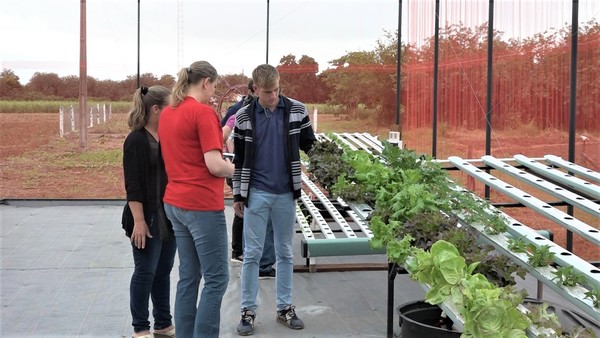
(266, 270)
(244, 101)
(153, 258)
(268, 136)
(237, 226)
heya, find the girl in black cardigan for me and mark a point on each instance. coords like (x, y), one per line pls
(153, 258)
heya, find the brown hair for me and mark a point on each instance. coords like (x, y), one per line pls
(265, 76)
(193, 74)
(143, 100)
(251, 86)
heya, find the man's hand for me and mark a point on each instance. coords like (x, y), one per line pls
(238, 207)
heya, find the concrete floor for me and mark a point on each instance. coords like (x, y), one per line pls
(65, 268)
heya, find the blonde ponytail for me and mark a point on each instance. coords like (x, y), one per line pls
(181, 87)
(191, 75)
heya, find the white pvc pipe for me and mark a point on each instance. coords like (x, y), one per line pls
(91, 116)
(315, 117)
(61, 121)
(72, 118)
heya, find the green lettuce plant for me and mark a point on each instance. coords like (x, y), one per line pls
(539, 315)
(540, 255)
(568, 276)
(414, 200)
(488, 311)
(412, 195)
(594, 296)
(443, 268)
(518, 245)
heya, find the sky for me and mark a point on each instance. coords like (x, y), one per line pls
(43, 35)
(231, 35)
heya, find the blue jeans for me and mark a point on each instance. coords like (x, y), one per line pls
(237, 244)
(151, 278)
(201, 238)
(281, 210)
(237, 241)
(268, 258)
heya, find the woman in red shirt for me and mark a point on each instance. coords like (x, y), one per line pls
(192, 143)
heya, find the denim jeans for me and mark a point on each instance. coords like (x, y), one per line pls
(237, 244)
(151, 278)
(201, 238)
(268, 258)
(281, 210)
(237, 241)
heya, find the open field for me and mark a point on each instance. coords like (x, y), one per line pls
(36, 163)
(52, 107)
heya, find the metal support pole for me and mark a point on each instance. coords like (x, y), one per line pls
(392, 270)
(138, 45)
(573, 101)
(267, 58)
(82, 78)
(398, 66)
(436, 57)
(490, 81)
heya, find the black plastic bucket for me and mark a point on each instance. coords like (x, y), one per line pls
(420, 320)
(423, 320)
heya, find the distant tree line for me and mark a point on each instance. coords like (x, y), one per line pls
(50, 86)
(530, 84)
(530, 80)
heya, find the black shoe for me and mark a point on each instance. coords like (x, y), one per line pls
(246, 325)
(267, 275)
(288, 317)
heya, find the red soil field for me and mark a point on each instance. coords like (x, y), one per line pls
(35, 162)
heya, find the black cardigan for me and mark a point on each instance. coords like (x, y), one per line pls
(136, 164)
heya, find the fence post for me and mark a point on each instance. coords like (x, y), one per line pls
(61, 121)
(104, 112)
(91, 117)
(97, 113)
(72, 118)
(110, 111)
(315, 116)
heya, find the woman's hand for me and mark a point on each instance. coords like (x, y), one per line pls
(217, 165)
(139, 234)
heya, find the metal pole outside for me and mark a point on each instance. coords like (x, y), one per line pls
(138, 45)
(82, 78)
(490, 81)
(398, 67)
(436, 56)
(573, 101)
(267, 58)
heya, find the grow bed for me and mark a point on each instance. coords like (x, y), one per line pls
(579, 190)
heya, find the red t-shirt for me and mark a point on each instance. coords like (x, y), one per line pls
(186, 133)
